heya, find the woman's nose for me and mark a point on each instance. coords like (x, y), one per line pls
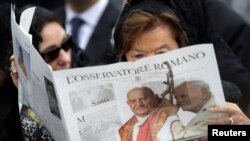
(150, 54)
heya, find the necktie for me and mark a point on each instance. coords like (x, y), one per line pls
(76, 23)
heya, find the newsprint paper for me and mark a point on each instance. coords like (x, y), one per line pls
(96, 104)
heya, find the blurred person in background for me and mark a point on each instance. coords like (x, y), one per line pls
(48, 4)
(233, 28)
(91, 23)
(10, 128)
(242, 7)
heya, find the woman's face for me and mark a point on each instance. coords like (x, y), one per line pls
(53, 36)
(156, 41)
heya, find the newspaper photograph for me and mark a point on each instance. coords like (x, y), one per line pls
(165, 97)
(119, 90)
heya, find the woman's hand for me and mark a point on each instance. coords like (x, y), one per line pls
(233, 114)
(13, 71)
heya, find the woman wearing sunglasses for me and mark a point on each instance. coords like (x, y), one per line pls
(55, 47)
(52, 42)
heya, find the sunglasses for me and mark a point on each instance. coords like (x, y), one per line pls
(53, 53)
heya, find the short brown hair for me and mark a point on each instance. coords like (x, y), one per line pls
(139, 22)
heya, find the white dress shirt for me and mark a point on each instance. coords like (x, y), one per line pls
(137, 126)
(91, 18)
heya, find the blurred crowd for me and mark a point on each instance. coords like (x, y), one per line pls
(98, 33)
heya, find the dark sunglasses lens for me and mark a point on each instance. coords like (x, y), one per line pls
(51, 55)
(67, 45)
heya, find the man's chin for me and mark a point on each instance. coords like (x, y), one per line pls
(142, 113)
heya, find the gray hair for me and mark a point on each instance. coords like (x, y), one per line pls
(197, 84)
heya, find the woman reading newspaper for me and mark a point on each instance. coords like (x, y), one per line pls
(151, 27)
(55, 47)
(187, 30)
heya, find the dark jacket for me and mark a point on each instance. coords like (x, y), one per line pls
(10, 128)
(48, 4)
(233, 28)
(99, 48)
(195, 20)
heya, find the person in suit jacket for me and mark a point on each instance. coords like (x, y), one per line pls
(98, 19)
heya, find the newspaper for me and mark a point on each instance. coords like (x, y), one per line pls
(91, 103)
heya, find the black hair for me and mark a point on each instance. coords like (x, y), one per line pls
(5, 36)
(41, 18)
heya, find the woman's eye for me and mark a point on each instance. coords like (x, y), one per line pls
(138, 56)
(161, 52)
